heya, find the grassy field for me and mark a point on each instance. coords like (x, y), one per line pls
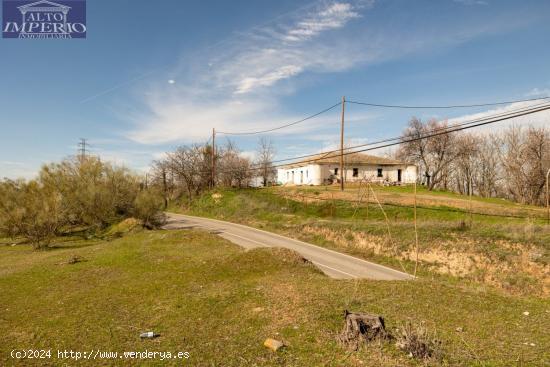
(207, 297)
(508, 250)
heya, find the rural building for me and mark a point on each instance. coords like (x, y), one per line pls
(321, 171)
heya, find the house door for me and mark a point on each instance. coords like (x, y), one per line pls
(301, 177)
(398, 175)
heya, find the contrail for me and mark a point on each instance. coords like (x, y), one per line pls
(217, 44)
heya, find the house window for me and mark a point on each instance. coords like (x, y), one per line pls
(356, 172)
(336, 172)
(380, 172)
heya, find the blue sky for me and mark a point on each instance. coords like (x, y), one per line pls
(246, 65)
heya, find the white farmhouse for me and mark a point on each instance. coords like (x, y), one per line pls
(321, 171)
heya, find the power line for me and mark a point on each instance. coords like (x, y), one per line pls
(547, 107)
(465, 123)
(459, 127)
(282, 126)
(381, 105)
(437, 132)
(450, 106)
(400, 140)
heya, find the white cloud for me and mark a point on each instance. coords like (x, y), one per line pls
(250, 154)
(538, 119)
(234, 90)
(159, 155)
(126, 157)
(472, 2)
(174, 122)
(14, 170)
(273, 54)
(333, 143)
(11, 163)
(536, 92)
(238, 87)
(266, 80)
(334, 16)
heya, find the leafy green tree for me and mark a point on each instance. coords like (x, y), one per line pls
(74, 193)
(31, 210)
(148, 208)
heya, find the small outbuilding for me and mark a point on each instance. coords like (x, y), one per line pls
(324, 169)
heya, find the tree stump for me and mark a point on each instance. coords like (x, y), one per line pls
(361, 328)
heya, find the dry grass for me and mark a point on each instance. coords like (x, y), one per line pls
(199, 292)
(418, 341)
(403, 196)
(454, 256)
(507, 253)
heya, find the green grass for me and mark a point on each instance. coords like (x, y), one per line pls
(510, 253)
(199, 291)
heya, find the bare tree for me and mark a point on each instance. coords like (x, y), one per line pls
(190, 166)
(264, 161)
(432, 155)
(160, 177)
(464, 165)
(234, 169)
(524, 158)
(487, 167)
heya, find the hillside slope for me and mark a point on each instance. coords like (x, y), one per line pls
(503, 251)
(217, 302)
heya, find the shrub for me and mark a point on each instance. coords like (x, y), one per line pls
(9, 197)
(73, 193)
(418, 341)
(30, 210)
(93, 193)
(148, 208)
(84, 193)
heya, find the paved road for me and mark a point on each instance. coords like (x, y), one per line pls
(332, 263)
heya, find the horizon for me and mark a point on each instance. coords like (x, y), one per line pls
(137, 91)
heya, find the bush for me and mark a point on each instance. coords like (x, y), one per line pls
(418, 341)
(148, 208)
(93, 193)
(73, 193)
(10, 194)
(30, 210)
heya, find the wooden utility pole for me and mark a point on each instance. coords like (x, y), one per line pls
(471, 189)
(547, 198)
(342, 174)
(213, 157)
(368, 199)
(415, 232)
